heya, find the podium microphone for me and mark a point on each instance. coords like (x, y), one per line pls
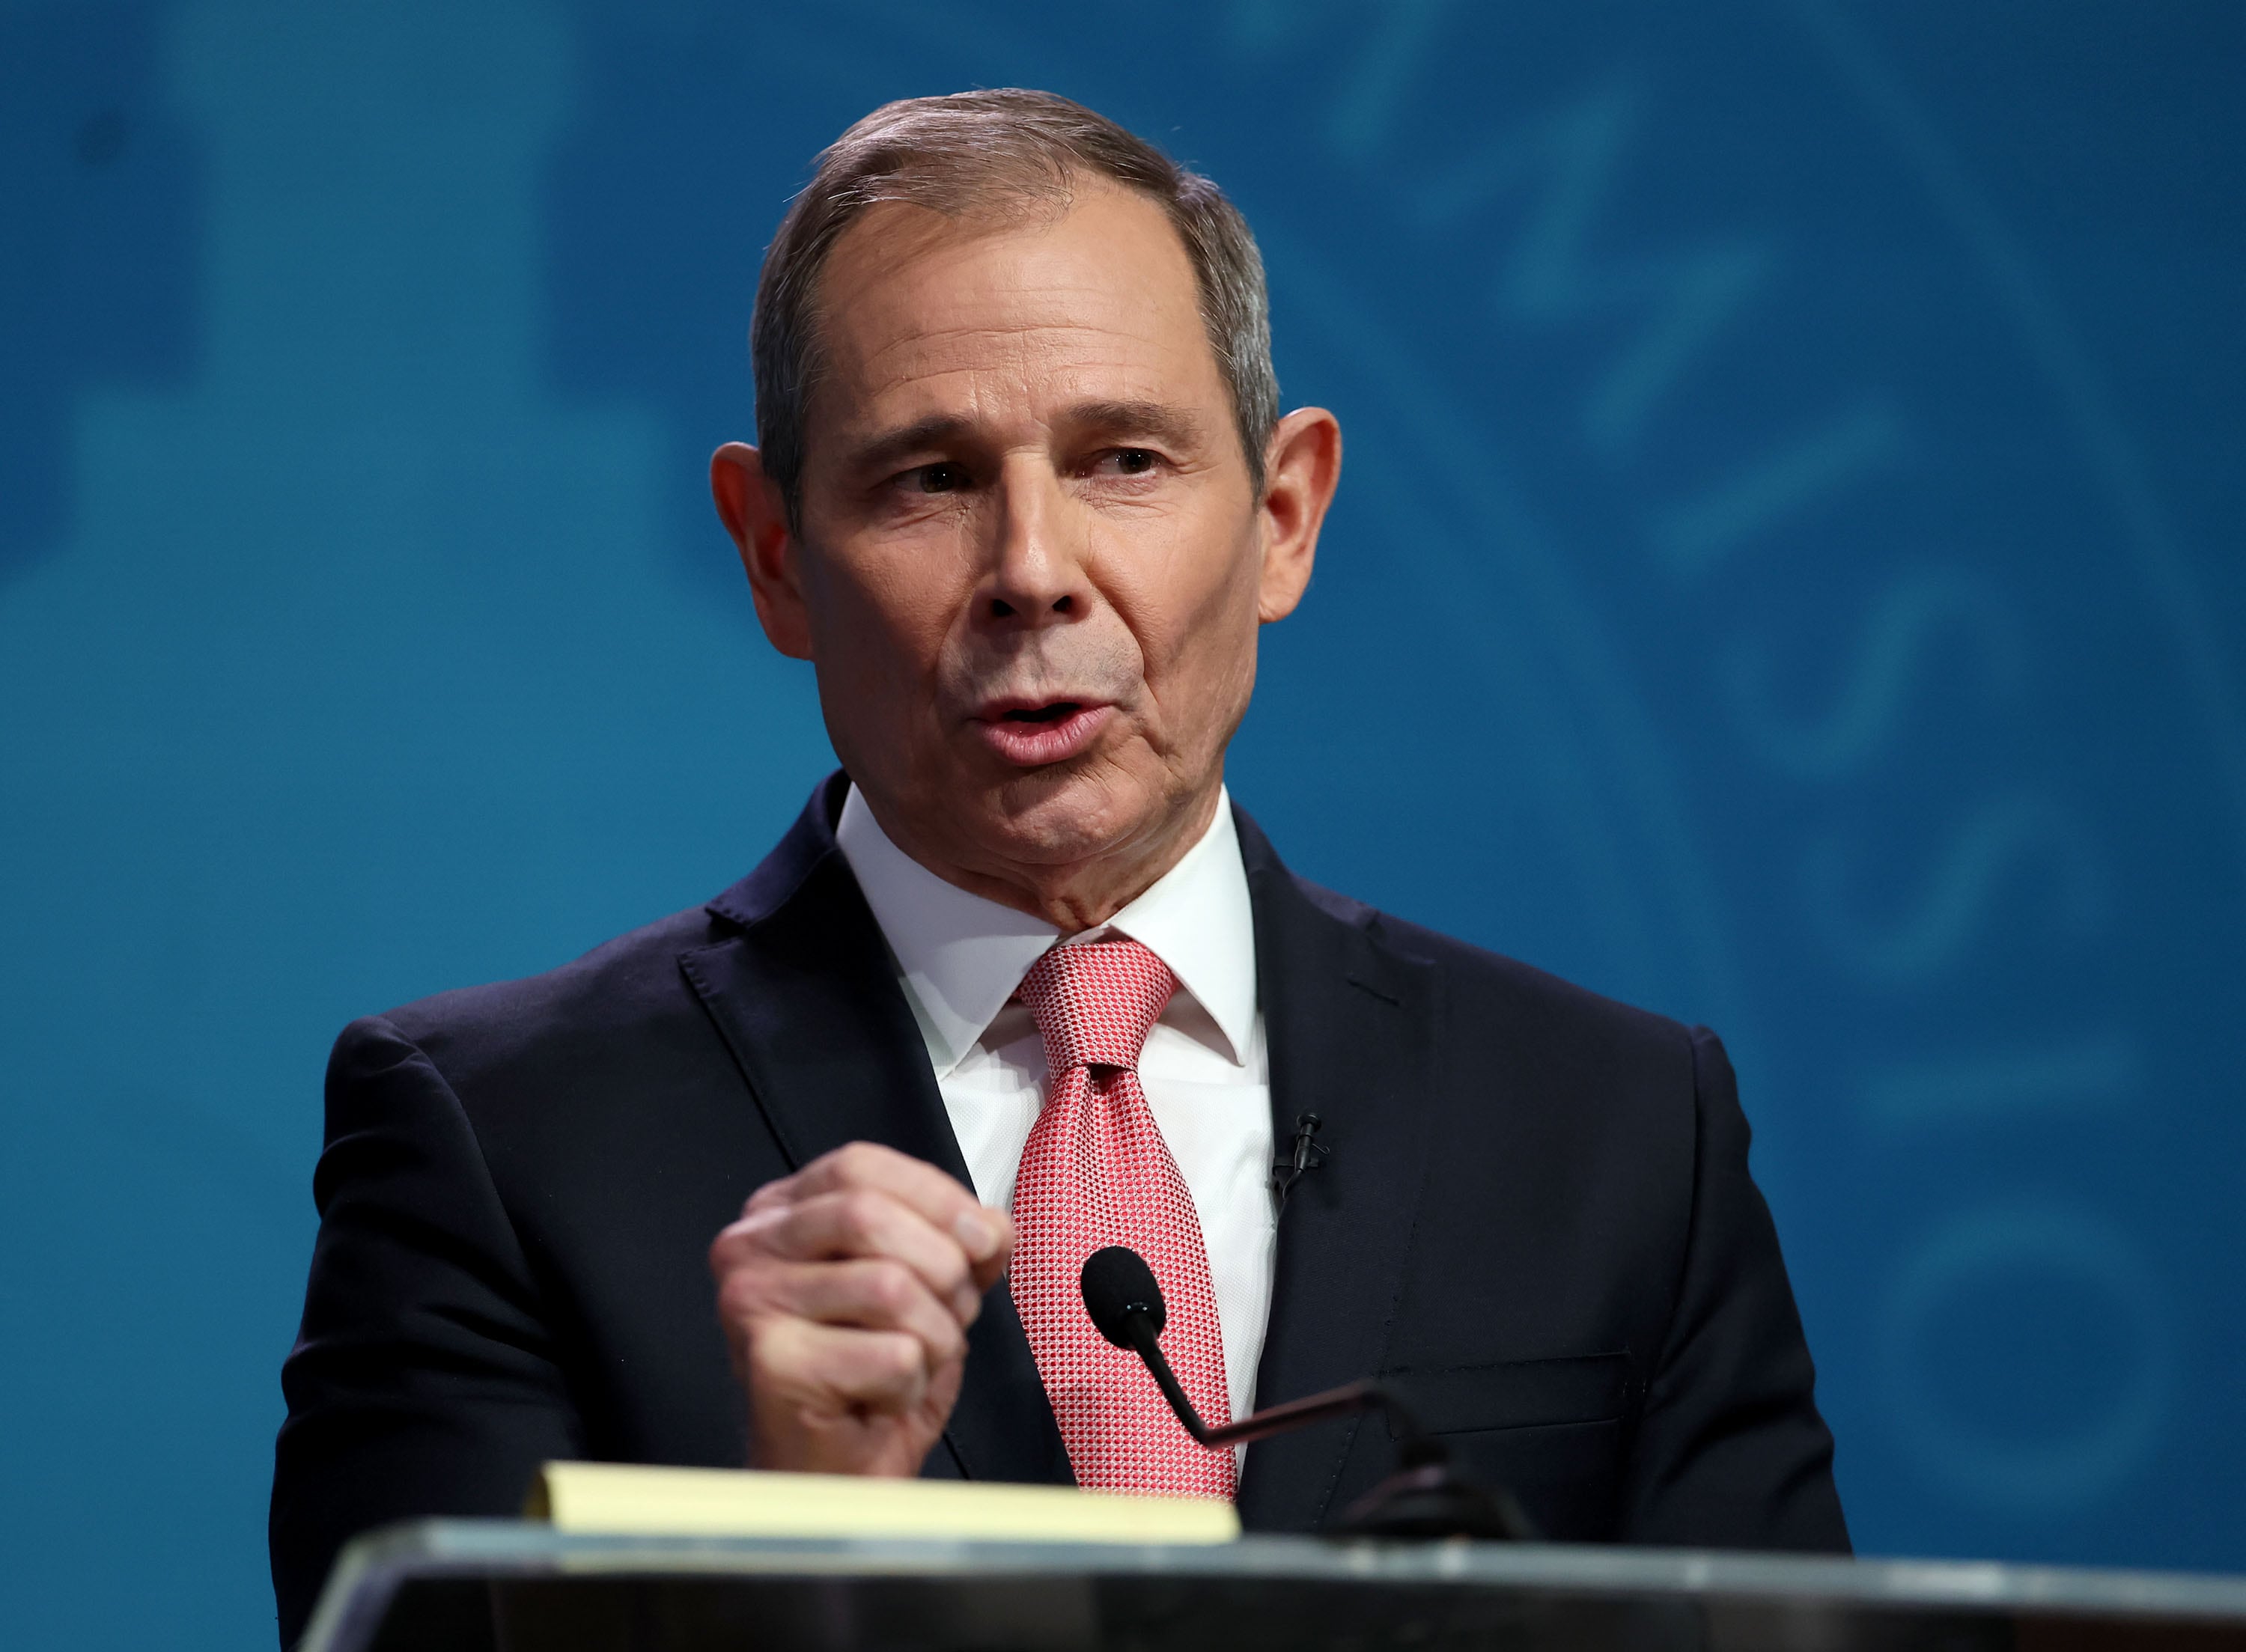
(1425, 1497)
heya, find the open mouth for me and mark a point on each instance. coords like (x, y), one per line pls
(1059, 711)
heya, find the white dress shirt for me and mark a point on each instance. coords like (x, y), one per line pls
(960, 957)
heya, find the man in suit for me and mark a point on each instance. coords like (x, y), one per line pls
(800, 1179)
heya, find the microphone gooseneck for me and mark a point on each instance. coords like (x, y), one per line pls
(1426, 1497)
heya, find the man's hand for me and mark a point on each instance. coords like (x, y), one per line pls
(846, 1291)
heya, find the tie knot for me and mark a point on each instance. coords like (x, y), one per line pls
(1094, 1005)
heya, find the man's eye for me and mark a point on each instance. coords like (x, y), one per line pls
(1132, 461)
(939, 478)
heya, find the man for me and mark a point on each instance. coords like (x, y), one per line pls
(736, 1188)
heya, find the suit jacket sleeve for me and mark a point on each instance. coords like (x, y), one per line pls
(423, 1380)
(1731, 1452)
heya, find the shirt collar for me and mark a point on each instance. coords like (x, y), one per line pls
(962, 956)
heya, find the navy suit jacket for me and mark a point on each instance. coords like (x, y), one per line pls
(1536, 1216)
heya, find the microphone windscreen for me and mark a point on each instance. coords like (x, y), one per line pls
(1116, 1282)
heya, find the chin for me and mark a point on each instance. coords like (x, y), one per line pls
(1044, 817)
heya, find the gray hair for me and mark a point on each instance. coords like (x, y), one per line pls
(997, 152)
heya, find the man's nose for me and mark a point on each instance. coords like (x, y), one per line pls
(1036, 573)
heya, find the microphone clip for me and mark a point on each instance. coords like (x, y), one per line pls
(1306, 1153)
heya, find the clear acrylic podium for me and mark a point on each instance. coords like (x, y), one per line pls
(501, 1586)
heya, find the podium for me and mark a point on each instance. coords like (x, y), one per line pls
(504, 1585)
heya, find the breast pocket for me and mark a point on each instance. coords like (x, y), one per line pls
(1550, 1431)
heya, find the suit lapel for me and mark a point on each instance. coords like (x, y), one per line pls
(806, 1000)
(1348, 1025)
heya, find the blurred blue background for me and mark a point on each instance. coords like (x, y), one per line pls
(1787, 574)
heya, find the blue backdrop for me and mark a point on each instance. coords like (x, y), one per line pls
(1787, 574)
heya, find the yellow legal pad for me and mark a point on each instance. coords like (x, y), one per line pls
(709, 1502)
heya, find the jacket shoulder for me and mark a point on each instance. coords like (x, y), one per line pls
(624, 1000)
(1488, 986)
(606, 1001)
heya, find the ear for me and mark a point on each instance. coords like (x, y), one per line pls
(749, 503)
(1301, 467)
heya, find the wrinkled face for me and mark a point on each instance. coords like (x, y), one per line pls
(1030, 560)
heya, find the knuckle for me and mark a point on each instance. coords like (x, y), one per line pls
(779, 1191)
(957, 1274)
(741, 1297)
(859, 1217)
(746, 1240)
(854, 1161)
(899, 1358)
(770, 1363)
(890, 1286)
(951, 1343)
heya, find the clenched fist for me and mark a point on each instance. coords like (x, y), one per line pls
(846, 1291)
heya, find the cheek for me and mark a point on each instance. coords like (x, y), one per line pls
(1206, 627)
(885, 612)
(1200, 656)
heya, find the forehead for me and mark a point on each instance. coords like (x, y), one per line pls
(920, 314)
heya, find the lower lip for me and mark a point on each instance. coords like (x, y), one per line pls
(1030, 745)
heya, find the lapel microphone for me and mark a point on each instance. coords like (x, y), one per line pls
(1423, 1498)
(1306, 1153)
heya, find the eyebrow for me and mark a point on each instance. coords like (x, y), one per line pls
(1158, 421)
(879, 451)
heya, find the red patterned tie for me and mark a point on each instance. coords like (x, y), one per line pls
(1096, 1172)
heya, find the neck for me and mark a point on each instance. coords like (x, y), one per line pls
(1077, 895)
